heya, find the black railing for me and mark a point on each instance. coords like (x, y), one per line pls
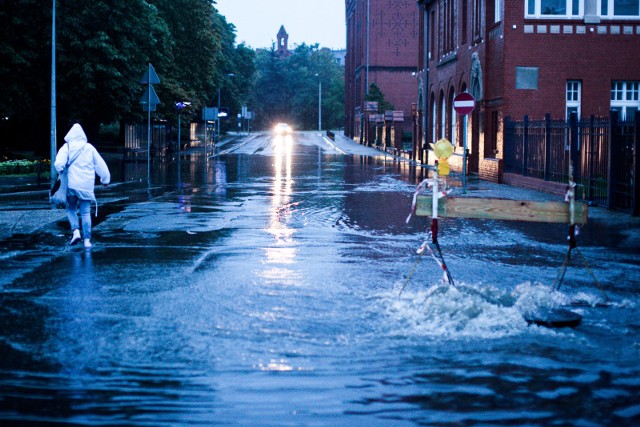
(604, 153)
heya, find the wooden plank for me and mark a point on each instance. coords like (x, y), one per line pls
(502, 209)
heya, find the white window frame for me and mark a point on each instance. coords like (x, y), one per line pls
(497, 11)
(443, 117)
(434, 120)
(609, 13)
(573, 97)
(453, 113)
(571, 14)
(625, 94)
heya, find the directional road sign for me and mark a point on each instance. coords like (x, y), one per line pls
(150, 77)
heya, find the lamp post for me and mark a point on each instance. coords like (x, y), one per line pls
(180, 106)
(319, 102)
(54, 142)
(218, 118)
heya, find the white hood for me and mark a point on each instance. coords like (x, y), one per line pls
(76, 135)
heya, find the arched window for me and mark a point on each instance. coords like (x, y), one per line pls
(434, 119)
(443, 116)
(461, 129)
(453, 117)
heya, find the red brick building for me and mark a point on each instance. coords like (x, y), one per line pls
(526, 57)
(382, 48)
(282, 49)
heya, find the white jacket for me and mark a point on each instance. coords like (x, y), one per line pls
(83, 170)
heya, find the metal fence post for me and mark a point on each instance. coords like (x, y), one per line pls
(525, 144)
(547, 145)
(591, 156)
(574, 150)
(613, 125)
(635, 204)
(507, 144)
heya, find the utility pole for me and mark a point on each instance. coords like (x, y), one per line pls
(319, 104)
(54, 141)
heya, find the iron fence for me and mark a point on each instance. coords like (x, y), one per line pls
(135, 137)
(604, 152)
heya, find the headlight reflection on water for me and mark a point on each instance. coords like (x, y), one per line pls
(283, 251)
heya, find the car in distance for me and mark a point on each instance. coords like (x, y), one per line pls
(282, 129)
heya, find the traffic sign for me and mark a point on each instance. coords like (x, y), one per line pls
(209, 113)
(150, 96)
(150, 77)
(464, 103)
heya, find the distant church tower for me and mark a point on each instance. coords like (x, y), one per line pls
(283, 43)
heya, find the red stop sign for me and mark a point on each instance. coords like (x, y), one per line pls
(464, 103)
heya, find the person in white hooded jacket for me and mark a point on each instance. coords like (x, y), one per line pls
(86, 162)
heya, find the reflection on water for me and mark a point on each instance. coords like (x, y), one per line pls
(75, 327)
(293, 314)
(284, 250)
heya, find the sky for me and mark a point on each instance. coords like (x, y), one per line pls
(306, 21)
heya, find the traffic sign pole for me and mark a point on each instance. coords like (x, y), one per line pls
(464, 103)
(149, 131)
(464, 155)
(149, 101)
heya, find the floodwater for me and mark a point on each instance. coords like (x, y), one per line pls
(278, 284)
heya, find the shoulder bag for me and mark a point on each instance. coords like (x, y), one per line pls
(58, 193)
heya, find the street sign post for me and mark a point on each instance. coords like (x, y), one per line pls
(149, 101)
(464, 103)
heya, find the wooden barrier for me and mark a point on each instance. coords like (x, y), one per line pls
(502, 209)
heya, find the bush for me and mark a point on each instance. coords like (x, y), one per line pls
(109, 132)
(22, 167)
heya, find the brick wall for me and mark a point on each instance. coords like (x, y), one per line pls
(491, 170)
(393, 54)
(594, 54)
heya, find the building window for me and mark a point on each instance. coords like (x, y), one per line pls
(492, 143)
(625, 99)
(434, 120)
(462, 130)
(432, 36)
(619, 8)
(443, 116)
(574, 97)
(526, 77)
(477, 20)
(465, 21)
(555, 8)
(497, 11)
(452, 116)
(447, 27)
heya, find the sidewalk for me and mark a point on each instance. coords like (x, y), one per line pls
(17, 184)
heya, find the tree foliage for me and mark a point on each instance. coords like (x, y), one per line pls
(376, 94)
(286, 88)
(102, 50)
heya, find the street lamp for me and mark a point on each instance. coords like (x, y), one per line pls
(319, 102)
(218, 118)
(54, 142)
(180, 106)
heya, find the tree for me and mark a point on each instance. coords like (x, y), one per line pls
(104, 47)
(190, 74)
(286, 88)
(375, 94)
(24, 70)
(102, 50)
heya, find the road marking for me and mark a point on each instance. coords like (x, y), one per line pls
(328, 141)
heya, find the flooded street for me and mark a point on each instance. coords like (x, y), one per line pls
(263, 287)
